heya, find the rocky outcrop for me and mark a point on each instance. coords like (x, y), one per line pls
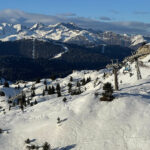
(145, 49)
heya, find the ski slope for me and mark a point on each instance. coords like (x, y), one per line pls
(86, 122)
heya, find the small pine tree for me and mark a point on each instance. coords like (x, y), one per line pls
(104, 75)
(46, 89)
(76, 91)
(71, 79)
(58, 87)
(53, 90)
(6, 84)
(18, 87)
(64, 99)
(33, 93)
(46, 146)
(69, 87)
(1, 131)
(27, 141)
(35, 102)
(22, 108)
(83, 81)
(45, 82)
(2, 93)
(78, 84)
(88, 80)
(108, 91)
(32, 146)
(31, 104)
(58, 94)
(49, 90)
(58, 120)
(43, 93)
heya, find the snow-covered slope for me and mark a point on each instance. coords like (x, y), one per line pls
(137, 40)
(86, 122)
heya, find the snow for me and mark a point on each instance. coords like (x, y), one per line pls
(137, 40)
(86, 123)
(60, 54)
(64, 32)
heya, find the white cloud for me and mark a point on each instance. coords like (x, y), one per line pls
(104, 18)
(17, 16)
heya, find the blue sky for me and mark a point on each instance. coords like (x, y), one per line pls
(122, 16)
(106, 10)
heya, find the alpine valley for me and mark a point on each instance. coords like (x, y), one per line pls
(36, 51)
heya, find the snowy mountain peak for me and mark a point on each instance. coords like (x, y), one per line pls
(137, 39)
(66, 32)
(37, 26)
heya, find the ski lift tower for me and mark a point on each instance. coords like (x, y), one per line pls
(33, 48)
(115, 67)
(135, 58)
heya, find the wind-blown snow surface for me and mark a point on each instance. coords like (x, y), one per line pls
(87, 123)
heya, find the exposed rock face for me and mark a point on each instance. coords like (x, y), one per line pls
(112, 38)
(144, 49)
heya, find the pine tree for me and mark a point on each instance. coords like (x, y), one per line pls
(58, 87)
(64, 99)
(104, 75)
(46, 89)
(6, 84)
(27, 141)
(49, 90)
(58, 120)
(78, 84)
(22, 100)
(69, 87)
(83, 81)
(22, 108)
(46, 146)
(58, 94)
(71, 79)
(43, 93)
(53, 90)
(45, 82)
(18, 87)
(1, 131)
(33, 93)
(88, 80)
(31, 104)
(108, 91)
(35, 102)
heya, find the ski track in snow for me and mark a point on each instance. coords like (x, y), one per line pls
(60, 54)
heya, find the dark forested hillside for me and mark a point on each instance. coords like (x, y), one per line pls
(16, 58)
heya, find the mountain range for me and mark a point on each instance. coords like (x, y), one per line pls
(56, 50)
(68, 33)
